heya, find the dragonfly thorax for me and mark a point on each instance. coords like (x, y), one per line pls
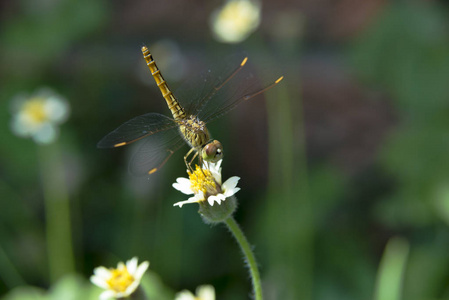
(194, 131)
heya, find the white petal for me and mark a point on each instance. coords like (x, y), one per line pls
(205, 292)
(141, 270)
(122, 295)
(121, 266)
(185, 295)
(106, 295)
(46, 134)
(231, 182)
(200, 196)
(232, 192)
(22, 123)
(19, 128)
(98, 281)
(183, 185)
(217, 176)
(211, 200)
(131, 288)
(102, 272)
(57, 109)
(191, 200)
(216, 170)
(230, 186)
(217, 198)
(131, 265)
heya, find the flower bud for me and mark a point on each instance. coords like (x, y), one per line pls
(212, 214)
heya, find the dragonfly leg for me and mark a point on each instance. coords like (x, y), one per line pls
(188, 164)
(200, 161)
(193, 158)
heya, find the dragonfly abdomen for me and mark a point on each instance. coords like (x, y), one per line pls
(173, 104)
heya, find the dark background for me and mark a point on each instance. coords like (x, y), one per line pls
(347, 152)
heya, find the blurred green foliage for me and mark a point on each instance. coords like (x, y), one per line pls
(319, 230)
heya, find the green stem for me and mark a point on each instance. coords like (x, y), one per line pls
(392, 270)
(57, 213)
(249, 256)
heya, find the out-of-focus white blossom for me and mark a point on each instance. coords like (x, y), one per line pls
(235, 20)
(38, 115)
(120, 282)
(203, 292)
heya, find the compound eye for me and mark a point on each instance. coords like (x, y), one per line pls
(213, 151)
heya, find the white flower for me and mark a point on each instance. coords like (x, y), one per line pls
(236, 20)
(205, 184)
(120, 282)
(203, 292)
(37, 116)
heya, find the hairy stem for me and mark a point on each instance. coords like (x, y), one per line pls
(249, 256)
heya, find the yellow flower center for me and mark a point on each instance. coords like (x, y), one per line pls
(35, 110)
(120, 280)
(202, 180)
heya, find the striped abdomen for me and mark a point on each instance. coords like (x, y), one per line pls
(173, 104)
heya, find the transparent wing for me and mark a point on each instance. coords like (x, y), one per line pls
(200, 88)
(136, 129)
(154, 151)
(223, 87)
(242, 87)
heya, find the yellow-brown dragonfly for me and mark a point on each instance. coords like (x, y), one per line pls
(218, 92)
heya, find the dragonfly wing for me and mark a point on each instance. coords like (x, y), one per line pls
(136, 129)
(154, 151)
(244, 86)
(196, 92)
(223, 87)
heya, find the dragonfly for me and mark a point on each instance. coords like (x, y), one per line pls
(218, 91)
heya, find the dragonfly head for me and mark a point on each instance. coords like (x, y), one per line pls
(212, 152)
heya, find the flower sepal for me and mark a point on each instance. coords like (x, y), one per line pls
(212, 214)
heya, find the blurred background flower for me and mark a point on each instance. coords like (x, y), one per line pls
(203, 292)
(120, 282)
(235, 20)
(38, 115)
